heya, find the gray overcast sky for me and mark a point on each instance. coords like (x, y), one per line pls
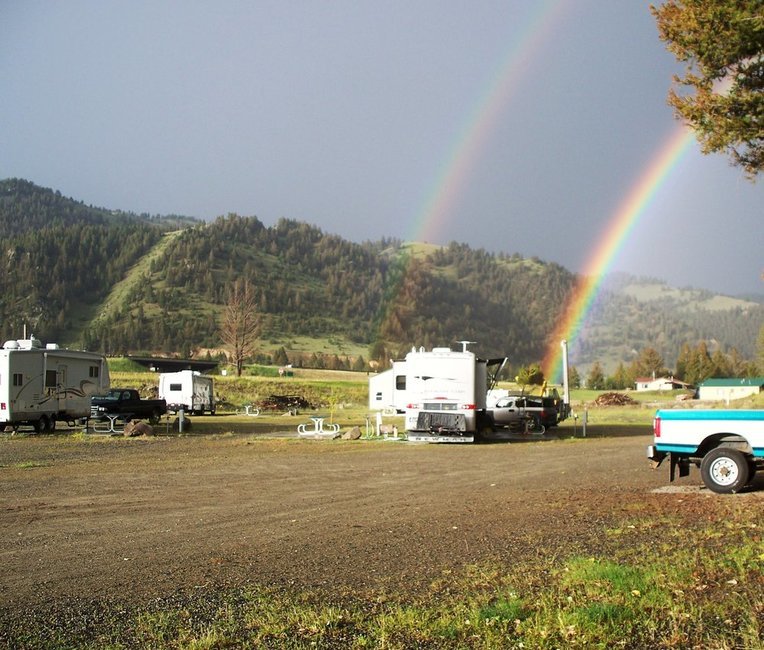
(345, 114)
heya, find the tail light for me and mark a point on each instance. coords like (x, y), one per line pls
(657, 427)
(467, 407)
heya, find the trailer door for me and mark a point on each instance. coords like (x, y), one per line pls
(61, 376)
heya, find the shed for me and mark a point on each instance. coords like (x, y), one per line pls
(722, 389)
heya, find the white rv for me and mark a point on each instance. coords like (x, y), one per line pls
(387, 390)
(188, 390)
(447, 394)
(41, 385)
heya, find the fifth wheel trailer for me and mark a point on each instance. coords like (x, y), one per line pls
(42, 385)
(447, 394)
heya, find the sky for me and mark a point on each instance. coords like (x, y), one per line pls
(517, 126)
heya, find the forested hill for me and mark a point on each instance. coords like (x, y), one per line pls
(61, 257)
(123, 283)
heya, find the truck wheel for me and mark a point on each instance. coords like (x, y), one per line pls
(724, 470)
(535, 426)
(155, 417)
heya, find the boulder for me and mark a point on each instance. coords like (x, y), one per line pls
(352, 434)
(137, 428)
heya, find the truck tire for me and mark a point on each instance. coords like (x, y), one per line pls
(535, 426)
(725, 470)
(155, 417)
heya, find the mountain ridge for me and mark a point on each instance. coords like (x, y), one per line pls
(149, 289)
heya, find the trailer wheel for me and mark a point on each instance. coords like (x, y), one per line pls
(725, 470)
(41, 425)
(51, 424)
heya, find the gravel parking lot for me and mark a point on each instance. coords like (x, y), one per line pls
(137, 519)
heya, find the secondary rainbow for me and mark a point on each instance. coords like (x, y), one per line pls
(573, 316)
(452, 175)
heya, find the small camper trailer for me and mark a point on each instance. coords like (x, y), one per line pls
(188, 390)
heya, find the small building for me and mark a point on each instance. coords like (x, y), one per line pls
(660, 383)
(721, 389)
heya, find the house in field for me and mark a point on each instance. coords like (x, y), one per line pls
(660, 383)
(729, 389)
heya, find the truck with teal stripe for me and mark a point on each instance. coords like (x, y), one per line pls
(727, 445)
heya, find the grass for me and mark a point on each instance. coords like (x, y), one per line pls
(699, 587)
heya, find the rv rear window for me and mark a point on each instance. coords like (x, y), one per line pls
(176, 386)
(400, 382)
(18, 379)
(94, 371)
(50, 379)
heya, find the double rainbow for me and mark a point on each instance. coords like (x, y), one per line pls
(452, 176)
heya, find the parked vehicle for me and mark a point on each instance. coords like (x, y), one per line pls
(447, 394)
(188, 390)
(127, 403)
(515, 410)
(727, 445)
(40, 386)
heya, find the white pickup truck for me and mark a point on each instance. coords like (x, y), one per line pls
(727, 445)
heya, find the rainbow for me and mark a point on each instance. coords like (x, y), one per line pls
(573, 315)
(452, 176)
(443, 194)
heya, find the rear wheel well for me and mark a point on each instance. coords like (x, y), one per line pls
(731, 440)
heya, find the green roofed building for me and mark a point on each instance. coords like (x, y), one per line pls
(729, 389)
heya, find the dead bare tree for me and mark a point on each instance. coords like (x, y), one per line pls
(241, 323)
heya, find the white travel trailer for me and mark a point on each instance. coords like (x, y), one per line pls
(188, 390)
(447, 394)
(41, 385)
(387, 390)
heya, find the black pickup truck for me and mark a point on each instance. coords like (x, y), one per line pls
(127, 403)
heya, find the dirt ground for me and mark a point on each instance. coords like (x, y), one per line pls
(138, 519)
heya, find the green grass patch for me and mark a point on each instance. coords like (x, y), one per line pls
(29, 464)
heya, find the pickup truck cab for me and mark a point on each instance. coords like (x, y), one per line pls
(127, 403)
(727, 445)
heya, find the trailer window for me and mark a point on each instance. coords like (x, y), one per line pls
(95, 371)
(50, 379)
(177, 387)
(400, 382)
(18, 379)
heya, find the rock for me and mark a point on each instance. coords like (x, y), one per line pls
(352, 434)
(137, 428)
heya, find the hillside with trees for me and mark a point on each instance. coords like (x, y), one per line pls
(135, 284)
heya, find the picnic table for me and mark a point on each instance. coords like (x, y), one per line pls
(318, 427)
